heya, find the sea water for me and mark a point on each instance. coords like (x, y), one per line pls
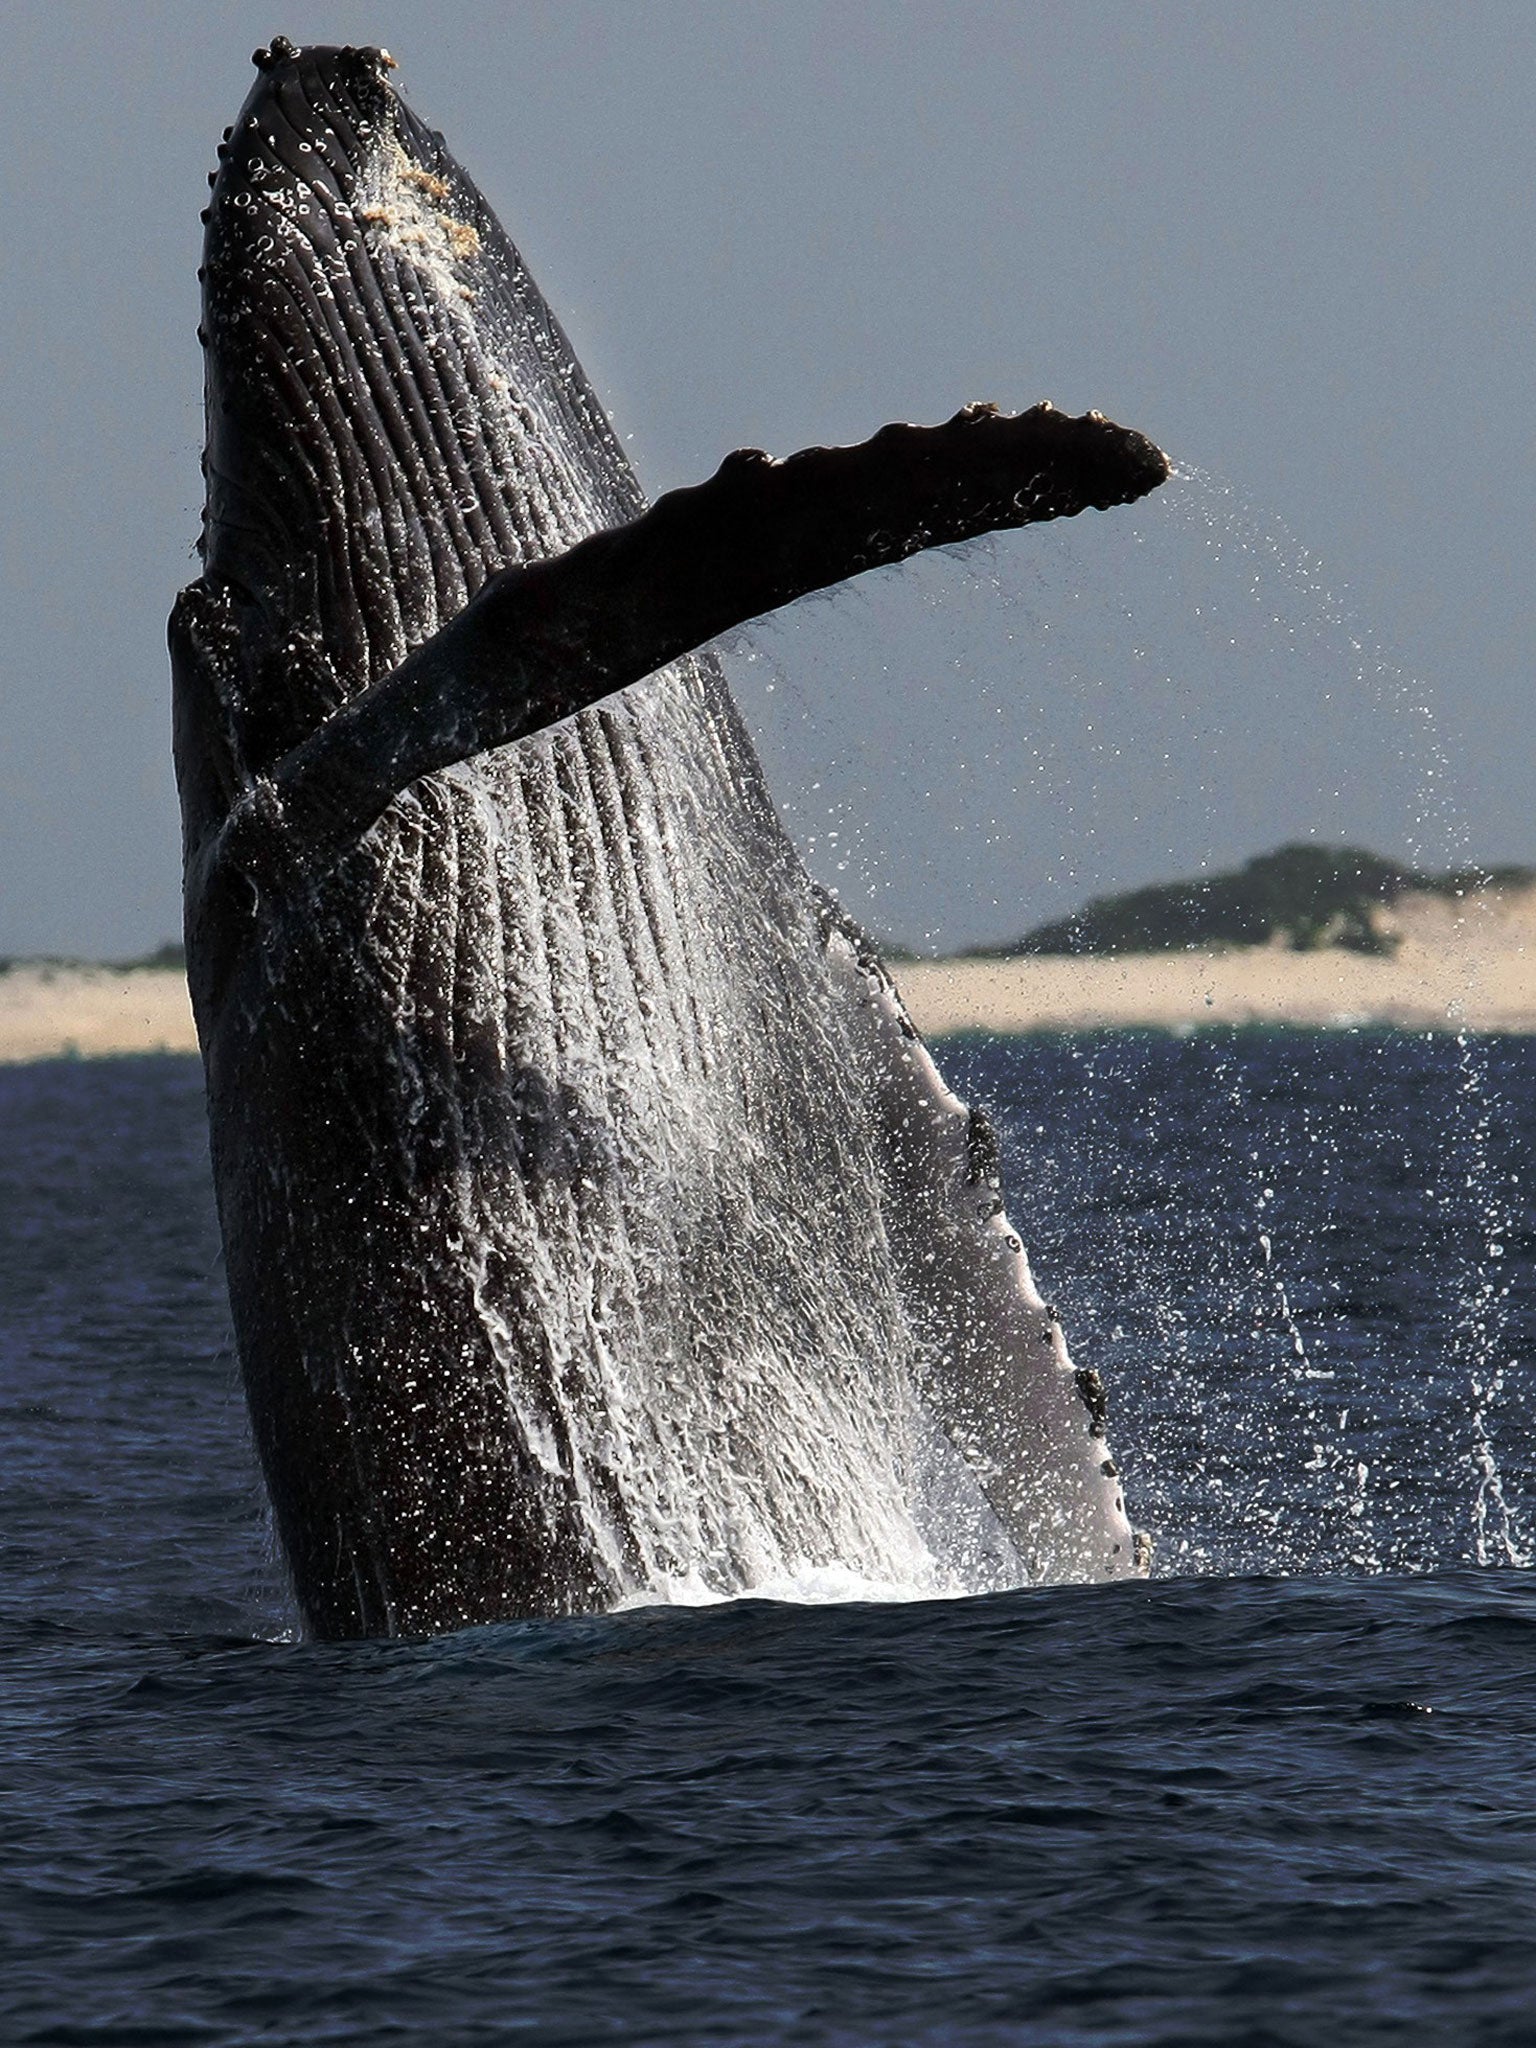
(1284, 1792)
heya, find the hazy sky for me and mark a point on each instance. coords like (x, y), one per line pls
(1291, 242)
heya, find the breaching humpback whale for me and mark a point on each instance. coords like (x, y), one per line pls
(594, 1218)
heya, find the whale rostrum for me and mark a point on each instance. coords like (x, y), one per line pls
(596, 1223)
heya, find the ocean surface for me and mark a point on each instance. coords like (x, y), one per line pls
(1285, 1792)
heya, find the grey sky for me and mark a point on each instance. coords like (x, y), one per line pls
(1293, 243)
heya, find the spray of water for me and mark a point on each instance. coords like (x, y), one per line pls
(1287, 584)
(1223, 650)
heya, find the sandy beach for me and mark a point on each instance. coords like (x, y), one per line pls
(1457, 965)
(51, 1011)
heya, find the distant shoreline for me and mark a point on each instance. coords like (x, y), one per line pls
(1453, 964)
(1458, 966)
(55, 1010)
(1254, 985)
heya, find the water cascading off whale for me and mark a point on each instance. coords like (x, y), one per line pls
(594, 1218)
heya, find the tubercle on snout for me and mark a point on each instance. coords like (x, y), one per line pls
(281, 51)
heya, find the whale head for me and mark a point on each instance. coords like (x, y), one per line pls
(393, 415)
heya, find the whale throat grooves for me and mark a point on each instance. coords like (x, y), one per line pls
(596, 1223)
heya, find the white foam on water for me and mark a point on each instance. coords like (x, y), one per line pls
(817, 1586)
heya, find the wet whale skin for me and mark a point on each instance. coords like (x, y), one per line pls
(595, 1221)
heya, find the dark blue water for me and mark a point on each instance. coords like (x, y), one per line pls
(1288, 1796)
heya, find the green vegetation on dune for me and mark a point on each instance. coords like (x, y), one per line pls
(1304, 896)
(171, 954)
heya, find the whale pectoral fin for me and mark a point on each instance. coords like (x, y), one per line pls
(543, 641)
(998, 1377)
